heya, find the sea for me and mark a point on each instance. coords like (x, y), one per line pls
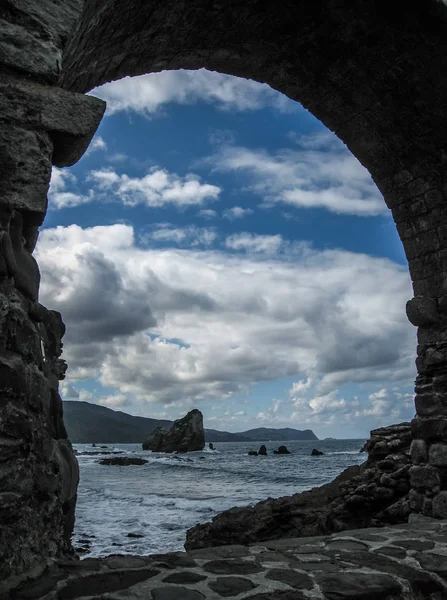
(147, 509)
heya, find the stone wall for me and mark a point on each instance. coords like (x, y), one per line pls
(375, 73)
(40, 125)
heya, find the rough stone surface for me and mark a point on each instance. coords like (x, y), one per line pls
(38, 470)
(375, 493)
(185, 435)
(228, 587)
(353, 565)
(422, 311)
(439, 505)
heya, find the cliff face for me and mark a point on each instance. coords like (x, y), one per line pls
(186, 435)
(375, 493)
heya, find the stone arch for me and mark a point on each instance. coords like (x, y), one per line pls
(371, 72)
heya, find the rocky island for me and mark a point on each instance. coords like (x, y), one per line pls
(185, 435)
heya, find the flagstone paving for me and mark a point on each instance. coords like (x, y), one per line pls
(405, 562)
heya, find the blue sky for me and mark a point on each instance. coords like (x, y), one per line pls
(217, 247)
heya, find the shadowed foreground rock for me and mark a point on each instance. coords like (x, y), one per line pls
(372, 494)
(405, 562)
(186, 435)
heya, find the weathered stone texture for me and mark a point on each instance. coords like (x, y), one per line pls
(33, 34)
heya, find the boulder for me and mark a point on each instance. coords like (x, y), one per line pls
(122, 461)
(316, 452)
(281, 450)
(252, 453)
(185, 435)
(262, 451)
(373, 494)
(211, 446)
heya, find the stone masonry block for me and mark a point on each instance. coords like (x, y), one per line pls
(431, 428)
(438, 455)
(422, 311)
(25, 157)
(424, 477)
(429, 405)
(439, 506)
(71, 119)
(418, 451)
(33, 43)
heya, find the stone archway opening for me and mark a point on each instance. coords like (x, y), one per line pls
(372, 77)
(291, 291)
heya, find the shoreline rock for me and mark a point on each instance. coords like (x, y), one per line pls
(373, 494)
(185, 435)
(316, 452)
(282, 450)
(123, 461)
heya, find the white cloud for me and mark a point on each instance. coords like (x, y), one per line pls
(237, 212)
(148, 94)
(68, 391)
(322, 175)
(98, 143)
(114, 401)
(250, 242)
(177, 325)
(184, 236)
(157, 188)
(207, 214)
(58, 196)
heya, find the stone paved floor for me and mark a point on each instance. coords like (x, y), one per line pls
(406, 562)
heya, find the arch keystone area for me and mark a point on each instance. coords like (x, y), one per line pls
(373, 72)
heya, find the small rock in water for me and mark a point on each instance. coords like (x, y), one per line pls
(316, 452)
(262, 451)
(135, 535)
(211, 446)
(281, 450)
(123, 461)
(252, 453)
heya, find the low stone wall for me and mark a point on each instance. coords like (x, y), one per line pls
(406, 562)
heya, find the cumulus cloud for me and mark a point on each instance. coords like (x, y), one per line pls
(58, 195)
(182, 236)
(157, 188)
(381, 407)
(237, 212)
(148, 94)
(251, 242)
(321, 173)
(98, 143)
(181, 325)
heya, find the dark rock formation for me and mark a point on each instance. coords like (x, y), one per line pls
(211, 446)
(186, 435)
(123, 461)
(372, 494)
(262, 451)
(316, 452)
(281, 450)
(252, 453)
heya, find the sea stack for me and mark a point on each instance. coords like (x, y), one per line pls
(185, 435)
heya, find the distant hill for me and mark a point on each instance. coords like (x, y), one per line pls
(279, 435)
(87, 423)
